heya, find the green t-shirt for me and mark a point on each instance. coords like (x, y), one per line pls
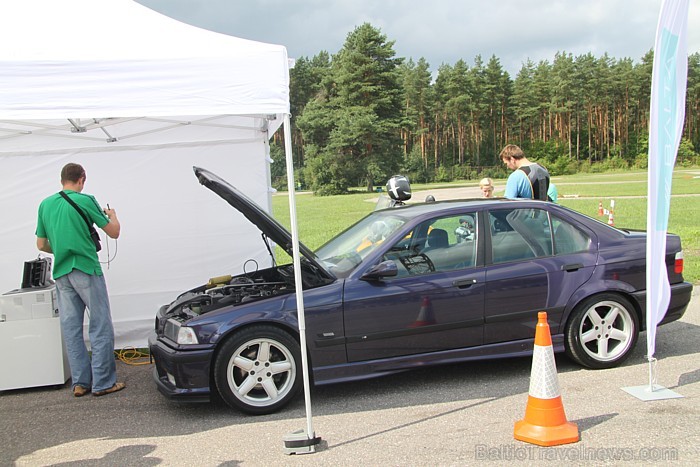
(68, 233)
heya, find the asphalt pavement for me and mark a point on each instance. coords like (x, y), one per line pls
(451, 415)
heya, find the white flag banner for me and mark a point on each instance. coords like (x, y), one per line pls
(668, 86)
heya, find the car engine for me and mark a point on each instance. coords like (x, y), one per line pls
(223, 291)
(226, 291)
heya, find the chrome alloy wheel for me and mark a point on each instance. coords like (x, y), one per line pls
(261, 372)
(602, 330)
(607, 330)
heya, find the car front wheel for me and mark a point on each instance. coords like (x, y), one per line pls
(258, 370)
(602, 331)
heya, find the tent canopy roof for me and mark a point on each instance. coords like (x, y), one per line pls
(96, 59)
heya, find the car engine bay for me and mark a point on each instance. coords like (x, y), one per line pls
(227, 290)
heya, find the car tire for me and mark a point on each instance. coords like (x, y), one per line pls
(602, 331)
(258, 370)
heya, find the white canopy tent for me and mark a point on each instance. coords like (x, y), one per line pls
(138, 99)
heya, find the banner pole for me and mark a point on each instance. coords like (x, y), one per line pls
(666, 117)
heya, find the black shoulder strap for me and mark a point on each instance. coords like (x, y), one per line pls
(539, 180)
(80, 211)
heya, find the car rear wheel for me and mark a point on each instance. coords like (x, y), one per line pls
(258, 370)
(602, 331)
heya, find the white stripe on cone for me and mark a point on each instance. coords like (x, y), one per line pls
(544, 383)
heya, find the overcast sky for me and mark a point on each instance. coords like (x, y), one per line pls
(442, 31)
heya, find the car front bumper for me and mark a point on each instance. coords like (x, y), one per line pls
(181, 374)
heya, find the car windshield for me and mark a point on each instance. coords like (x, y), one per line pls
(343, 253)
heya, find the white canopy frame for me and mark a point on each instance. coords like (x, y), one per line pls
(138, 97)
(77, 129)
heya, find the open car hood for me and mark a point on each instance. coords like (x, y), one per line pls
(255, 214)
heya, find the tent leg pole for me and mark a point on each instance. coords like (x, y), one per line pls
(298, 442)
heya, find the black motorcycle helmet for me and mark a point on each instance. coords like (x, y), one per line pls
(398, 188)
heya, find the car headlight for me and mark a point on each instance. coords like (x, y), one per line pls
(183, 335)
(186, 335)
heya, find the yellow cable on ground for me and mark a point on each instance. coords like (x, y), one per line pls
(133, 356)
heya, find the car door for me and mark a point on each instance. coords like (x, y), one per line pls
(537, 262)
(435, 303)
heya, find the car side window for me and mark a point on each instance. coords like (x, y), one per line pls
(518, 234)
(568, 239)
(442, 244)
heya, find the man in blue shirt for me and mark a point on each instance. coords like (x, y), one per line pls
(528, 180)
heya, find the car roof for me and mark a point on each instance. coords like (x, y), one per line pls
(417, 209)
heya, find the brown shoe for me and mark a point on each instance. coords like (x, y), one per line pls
(115, 388)
(79, 391)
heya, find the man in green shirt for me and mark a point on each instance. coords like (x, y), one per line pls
(62, 231)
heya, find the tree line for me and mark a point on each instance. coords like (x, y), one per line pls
(364, 114)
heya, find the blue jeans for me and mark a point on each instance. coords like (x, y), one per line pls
(75, 291)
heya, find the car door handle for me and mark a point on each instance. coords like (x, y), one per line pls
(464, 283)
(572, 267)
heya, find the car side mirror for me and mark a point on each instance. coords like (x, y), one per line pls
(380, 271)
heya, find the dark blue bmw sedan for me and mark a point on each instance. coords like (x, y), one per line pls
(408, 286)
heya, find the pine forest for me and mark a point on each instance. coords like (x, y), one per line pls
(363, 114)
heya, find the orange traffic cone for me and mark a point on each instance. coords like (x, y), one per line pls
(600, 208)
(425, 315)
(545, 422)
(611, 219)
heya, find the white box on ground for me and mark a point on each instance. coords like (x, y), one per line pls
(32, 352)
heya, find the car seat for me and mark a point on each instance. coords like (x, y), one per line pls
(437, 238)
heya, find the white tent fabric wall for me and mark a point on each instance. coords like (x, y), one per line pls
(175, 233)
(138, 99)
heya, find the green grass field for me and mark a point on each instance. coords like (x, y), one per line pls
(321, 217)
